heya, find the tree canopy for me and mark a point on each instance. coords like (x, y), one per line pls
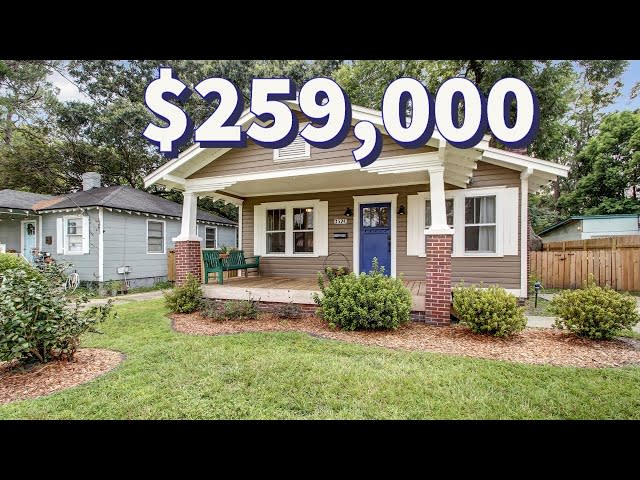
(46, 144)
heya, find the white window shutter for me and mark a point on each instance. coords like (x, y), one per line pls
(259, 220)
(415, 225)
(85, 234)
(510, 209)
(321, 229)
(59, 236)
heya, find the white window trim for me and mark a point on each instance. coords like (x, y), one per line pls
(458, 197)
(307, 149)
(288, 239)
(65, 235)
(391, 198)
(164, 237)
(205, 236)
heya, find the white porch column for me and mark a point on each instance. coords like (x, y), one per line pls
(524, 232)
(438, 206)
(189, 216)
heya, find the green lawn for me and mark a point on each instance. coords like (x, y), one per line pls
(290, 375)
(541, 310)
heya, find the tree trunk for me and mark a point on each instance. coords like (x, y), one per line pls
(8, 128)
(556, 189)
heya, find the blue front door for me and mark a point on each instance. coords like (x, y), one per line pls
(375, 236)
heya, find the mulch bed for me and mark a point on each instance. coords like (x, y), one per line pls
(19, 383)
(533, 345)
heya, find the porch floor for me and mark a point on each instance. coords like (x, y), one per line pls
(285, 289)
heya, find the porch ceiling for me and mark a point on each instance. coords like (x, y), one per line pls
(331, 181)
(408, 169)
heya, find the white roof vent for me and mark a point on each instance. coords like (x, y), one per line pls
(297, 149)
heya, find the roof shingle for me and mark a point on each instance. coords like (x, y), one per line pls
(119, 196)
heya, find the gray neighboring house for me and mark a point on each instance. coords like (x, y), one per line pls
(592, 226)
(104, 230)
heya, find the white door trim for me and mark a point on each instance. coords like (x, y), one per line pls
(387, 198)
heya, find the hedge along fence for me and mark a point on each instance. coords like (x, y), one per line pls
(613, 261)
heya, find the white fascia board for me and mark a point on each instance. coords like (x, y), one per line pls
(524, 161)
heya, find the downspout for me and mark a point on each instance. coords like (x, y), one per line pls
(100, 244)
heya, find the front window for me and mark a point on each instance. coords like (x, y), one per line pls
(276, 230)
(449, 206)
(480, 224)
(74, 235)
(155, 237)
(303, 230)
(210, 237)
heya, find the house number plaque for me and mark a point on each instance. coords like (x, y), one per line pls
(340, 221)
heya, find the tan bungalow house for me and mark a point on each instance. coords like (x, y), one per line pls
(436, 215)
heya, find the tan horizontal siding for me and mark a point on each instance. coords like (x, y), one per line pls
(338, 203)
(254, 158)
(504, 271)
(487, 175)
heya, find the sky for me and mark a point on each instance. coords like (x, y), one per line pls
(629, 79)
(68, 91)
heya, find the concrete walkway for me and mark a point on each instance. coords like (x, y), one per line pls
(134, 297)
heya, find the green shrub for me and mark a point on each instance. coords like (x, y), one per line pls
(112, 286)
(230, 310)
(366, 301)
(240, 310)
(38, 322)
(289, 311)
(211, 309)
(594, 312)
(9, 261)
(186, 298)
(490, 310)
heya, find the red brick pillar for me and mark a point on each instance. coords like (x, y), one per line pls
(438, 296)
(187, 260)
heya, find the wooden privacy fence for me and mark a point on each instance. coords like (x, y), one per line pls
(171, 265)
(613, 261)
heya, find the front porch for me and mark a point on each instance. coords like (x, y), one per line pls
(285, 290)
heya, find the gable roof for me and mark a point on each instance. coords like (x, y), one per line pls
(20, 200)
(119, 196)
(575, 218)
(176, 170)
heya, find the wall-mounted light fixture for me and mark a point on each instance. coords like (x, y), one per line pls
(401, 210)
(348, 212)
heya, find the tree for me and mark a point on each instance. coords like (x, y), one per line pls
(113, 123)
(611, 165)
(24, 93)
(366, 80)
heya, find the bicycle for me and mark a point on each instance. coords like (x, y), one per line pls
(73, 281)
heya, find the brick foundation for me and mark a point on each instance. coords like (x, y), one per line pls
(307, 309)
(271, 307)
(438, 296)
(187, 260)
